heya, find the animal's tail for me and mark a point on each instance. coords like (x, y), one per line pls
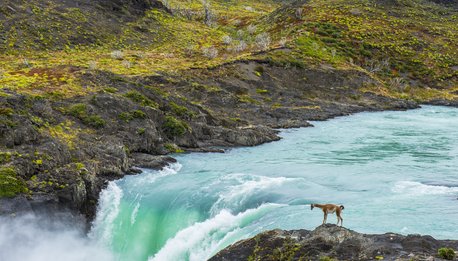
(342, 207)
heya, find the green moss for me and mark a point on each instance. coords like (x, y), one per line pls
(5, 157)
(10, 184)
(79, 166)
(141, 99)
(446, 253)
(38, 162)
(111, 90)
(141, 131)
(262, 91)
(180, 111)
(128, 116)
(259, 70)
(247, 99)
(6, 111)
(173, 148)
(80, 111)
(94, 120)
(173, 127)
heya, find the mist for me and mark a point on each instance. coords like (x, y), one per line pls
(29, 237)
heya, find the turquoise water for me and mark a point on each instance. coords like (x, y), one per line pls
(393, 171)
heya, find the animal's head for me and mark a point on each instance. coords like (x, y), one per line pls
(311, 207)
(342, 207)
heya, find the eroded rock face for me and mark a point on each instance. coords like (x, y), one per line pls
(334, 242)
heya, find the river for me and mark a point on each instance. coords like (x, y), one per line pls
(393, 172)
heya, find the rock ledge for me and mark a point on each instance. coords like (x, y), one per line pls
(338, 243)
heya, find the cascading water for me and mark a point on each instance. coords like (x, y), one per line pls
(393, 171)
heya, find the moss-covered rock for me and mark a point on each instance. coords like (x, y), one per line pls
(10, 183)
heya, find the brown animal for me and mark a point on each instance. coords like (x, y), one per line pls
(330, 208)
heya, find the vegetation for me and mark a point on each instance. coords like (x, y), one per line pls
(141, 99)
(10, 184)
(128, 116)
(417, 41)
(174, 127)
(446, 253)
(80, 111)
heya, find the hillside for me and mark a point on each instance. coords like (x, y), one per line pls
(90, 90)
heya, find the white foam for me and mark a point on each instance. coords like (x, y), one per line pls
(133, 216)
(236, 195)
(201, 240)
(151, 176)
(28, 238)
(417, 188)
(107, 212)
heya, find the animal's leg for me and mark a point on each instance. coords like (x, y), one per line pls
(325, 217)
(339, 218)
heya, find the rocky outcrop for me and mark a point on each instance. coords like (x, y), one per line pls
(334, 243)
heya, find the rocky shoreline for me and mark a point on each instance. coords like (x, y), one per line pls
(330, 242)
(63, 152)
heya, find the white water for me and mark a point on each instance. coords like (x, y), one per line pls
(32, 238)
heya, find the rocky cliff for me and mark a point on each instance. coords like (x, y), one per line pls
(330, 242)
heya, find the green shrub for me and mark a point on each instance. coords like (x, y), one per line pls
(141, 99)
(80, 111)
(173, 127)
(128, 116)
(94, 120)
(172, 148)
(10, 184)
(138, 114)
(446, 253)
(180, 110)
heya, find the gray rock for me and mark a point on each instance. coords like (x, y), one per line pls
(334, 242)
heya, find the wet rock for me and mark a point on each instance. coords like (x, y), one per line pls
(149, 161)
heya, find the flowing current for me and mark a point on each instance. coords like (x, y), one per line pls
(393, 171)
